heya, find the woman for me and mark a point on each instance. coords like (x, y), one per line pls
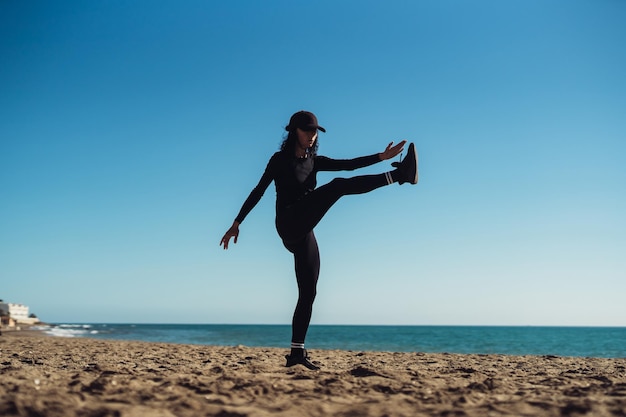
(300, 206)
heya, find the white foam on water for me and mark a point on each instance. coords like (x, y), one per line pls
(77, 326)
(69, 330)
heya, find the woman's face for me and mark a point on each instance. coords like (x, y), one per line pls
(306, 138)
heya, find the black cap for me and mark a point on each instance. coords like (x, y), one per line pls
(304, 120)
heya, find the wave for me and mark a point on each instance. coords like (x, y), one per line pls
(68, 330)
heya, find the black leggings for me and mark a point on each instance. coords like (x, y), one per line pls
(295, 226)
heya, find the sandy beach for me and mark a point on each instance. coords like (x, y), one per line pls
(47, 376)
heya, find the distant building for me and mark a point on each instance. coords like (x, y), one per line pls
(18, 313)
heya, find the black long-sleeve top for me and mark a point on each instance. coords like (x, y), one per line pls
(295, 177)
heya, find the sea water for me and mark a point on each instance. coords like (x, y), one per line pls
(607, 342)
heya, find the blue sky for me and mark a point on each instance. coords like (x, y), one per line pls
(131, 133)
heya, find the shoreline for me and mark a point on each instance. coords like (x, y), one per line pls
(25, 331)
(54, 376)
(593, 342)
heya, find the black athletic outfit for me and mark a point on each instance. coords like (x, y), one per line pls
(299, 208)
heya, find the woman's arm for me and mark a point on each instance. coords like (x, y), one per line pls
(251, 201)
(323, 163)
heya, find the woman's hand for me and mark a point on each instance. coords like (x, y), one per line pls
(392, 150)
(232, 232)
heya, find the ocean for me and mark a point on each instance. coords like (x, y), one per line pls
(602, 342)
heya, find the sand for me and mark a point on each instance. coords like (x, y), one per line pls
(47, 376)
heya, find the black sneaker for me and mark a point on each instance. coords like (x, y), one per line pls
(302, 359)
(408, 166)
